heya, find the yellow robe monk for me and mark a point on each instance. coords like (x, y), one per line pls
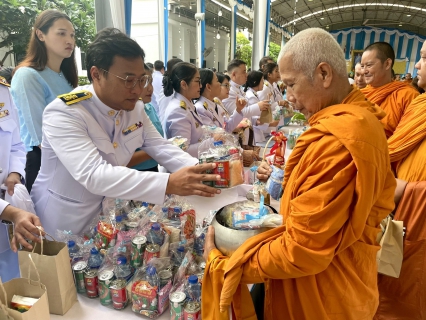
(322, 263)
(393, 98)
(407, 146)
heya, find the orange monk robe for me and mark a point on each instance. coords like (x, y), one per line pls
(338, 187)
(393, 98)
(407, 146)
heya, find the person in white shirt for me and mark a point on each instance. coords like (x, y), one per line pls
(90, 135)
(157, 83)
(208, 108)
(12, 172)
(237, 71)
(164, 101)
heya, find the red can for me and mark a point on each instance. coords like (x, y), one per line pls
(151, 251)
(222, 169)
(192, 311)
(91, 283)
(118, 294)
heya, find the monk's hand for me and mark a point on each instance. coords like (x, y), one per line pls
(264, 171)
(12, 179)
(399, 191)
(188, 181)
(209, 244)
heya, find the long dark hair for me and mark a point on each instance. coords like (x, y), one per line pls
(221, 77)
(36, 56)
(268, 68)
(181, 71)
(253, 79)
(206, 77)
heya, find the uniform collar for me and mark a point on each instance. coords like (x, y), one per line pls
(235, 85)
(209, 102)
(188, 103)
(103, 108)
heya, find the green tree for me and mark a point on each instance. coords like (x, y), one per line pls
(274, 50)
(17, 18)
(244, 49)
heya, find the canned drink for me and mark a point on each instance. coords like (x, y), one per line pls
(118, 294)
(177, 300)
(78, 271)
(192, 311)
(165, 276)
(105, 278)
(130, 225)
(151, 251)
(91, 283)
(222, 169)
(138, 249)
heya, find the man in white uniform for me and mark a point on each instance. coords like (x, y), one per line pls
(12, 165)
(90, 135)
(157, 83)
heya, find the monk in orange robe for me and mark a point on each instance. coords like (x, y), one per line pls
(405, 297)
(338, 186)
(392, 96)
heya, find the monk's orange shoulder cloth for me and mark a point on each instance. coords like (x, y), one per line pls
(322, 263)
(393, 98)
(407, 146)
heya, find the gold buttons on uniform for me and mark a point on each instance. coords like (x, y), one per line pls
(111, 113)
(115, 145)
(117, 122)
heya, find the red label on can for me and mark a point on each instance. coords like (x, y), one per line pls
(91, 284)
(193, 315)
(119, 298)
(149, 255)
(222, 169)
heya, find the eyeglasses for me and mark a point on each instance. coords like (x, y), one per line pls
(131, 83)
(227, 86)
(197, 81)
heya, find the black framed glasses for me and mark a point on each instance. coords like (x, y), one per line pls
(131, 83)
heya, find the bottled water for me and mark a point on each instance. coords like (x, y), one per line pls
(73, 249)
(123, 269)
(156, 235)
(178, 256)
(199, 244)
(95, 259)
(193, 289)
(151, 277)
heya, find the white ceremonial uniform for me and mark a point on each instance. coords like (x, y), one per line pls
(181, 119)
(157, 84)
(235, 93)
(273, 93)
(258, 131)
(163, 103)
(86, 147)
(213, 114)
(12, 159)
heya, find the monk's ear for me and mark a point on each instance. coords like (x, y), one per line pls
(388, 63)
(324, 73)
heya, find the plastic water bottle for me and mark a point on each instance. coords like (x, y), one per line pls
(73, 249)
(95, 259)
(151, 277)
(199, 244)
(122, 270)
(193, 289)
(156, 235)
(178, 256)
(119, 224)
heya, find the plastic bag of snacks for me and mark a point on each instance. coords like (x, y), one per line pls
(277, 152)
(150, 288)
(180, 142)
(274, 185)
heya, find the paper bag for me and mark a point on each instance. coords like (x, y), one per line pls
(266, 116)
(26, 288)
(53, 263)
(389, 257)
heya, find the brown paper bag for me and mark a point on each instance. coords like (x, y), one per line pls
(26, 288)
(53, 263)
(389, 257)
(266, 116)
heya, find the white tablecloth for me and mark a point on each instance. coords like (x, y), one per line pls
(91, 309)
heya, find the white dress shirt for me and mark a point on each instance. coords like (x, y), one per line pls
(235, 93)
(86, 147)
(157, 84)
(12, 150)
(258, 131)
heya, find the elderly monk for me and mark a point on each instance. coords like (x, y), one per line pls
(359, 76)
(392, 96)
(405, 297)
(338, 186)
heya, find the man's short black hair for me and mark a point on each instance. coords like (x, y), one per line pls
(264, 61)
(384, 51)
(158, 65)
(236, 63)
(108, 43)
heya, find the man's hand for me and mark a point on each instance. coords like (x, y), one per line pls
(11, 180)
(241, 103)
(26, 224)
(209, 244)
(264, 171)
(264, 105)
(188, 181)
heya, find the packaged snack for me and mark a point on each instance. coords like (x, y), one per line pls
(22, 304)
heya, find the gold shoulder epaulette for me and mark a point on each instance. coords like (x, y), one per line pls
(75, 96)
(140, 98)
(4, 82)
(205, 105)
(183, 105)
